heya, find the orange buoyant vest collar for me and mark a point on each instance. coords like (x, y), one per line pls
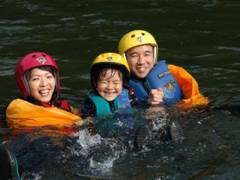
(22, 114)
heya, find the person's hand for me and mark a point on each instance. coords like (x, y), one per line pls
(155, 96)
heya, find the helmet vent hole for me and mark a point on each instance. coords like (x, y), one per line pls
(133, 35)
(143, 34)
(34, 55)
(43, 55)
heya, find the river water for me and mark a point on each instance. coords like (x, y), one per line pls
(203, 36)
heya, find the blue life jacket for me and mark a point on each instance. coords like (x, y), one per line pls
(103, 107)
(158, 77)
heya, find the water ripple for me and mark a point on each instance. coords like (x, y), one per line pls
(204, 55)
(235, 49)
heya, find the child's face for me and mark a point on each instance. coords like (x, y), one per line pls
(42, 84)
(110, 84)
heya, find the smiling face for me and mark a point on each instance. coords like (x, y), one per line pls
(42, 84)
(109, 84)
(140, 60)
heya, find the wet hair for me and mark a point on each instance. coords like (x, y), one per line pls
(100, 70)
(103, 73)
(27, 74)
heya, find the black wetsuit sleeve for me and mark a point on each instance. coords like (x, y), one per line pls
(88, 108)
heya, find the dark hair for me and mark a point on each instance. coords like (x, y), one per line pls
(46, 68)
(53, 72)
(100, 69)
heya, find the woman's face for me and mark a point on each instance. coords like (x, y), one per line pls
(110, 84)
(42, 84)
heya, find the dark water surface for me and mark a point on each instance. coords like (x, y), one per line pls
(201, 35)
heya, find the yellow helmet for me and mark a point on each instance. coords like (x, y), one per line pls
(136, 38)
(109, 60)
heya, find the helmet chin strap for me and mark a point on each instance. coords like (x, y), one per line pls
(27, 87)
(124, 55)
(155, 54)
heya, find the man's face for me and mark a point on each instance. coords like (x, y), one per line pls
(140, 60)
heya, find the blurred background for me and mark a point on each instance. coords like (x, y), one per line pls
(200, 35)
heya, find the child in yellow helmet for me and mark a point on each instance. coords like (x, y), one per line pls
(109, 77)
(157, 82)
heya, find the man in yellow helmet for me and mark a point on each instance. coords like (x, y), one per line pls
(157, 82)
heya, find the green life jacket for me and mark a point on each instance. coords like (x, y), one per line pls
(103, 106)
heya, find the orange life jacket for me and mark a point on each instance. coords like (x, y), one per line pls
(189, 86)
(21, 114)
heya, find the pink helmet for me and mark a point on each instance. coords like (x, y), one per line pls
(33, 60)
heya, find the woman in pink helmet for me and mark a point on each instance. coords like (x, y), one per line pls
(37, 76)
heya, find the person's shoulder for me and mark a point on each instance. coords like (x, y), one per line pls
(63, 104)
(173, 66)
(11, 100)
(3, 109)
